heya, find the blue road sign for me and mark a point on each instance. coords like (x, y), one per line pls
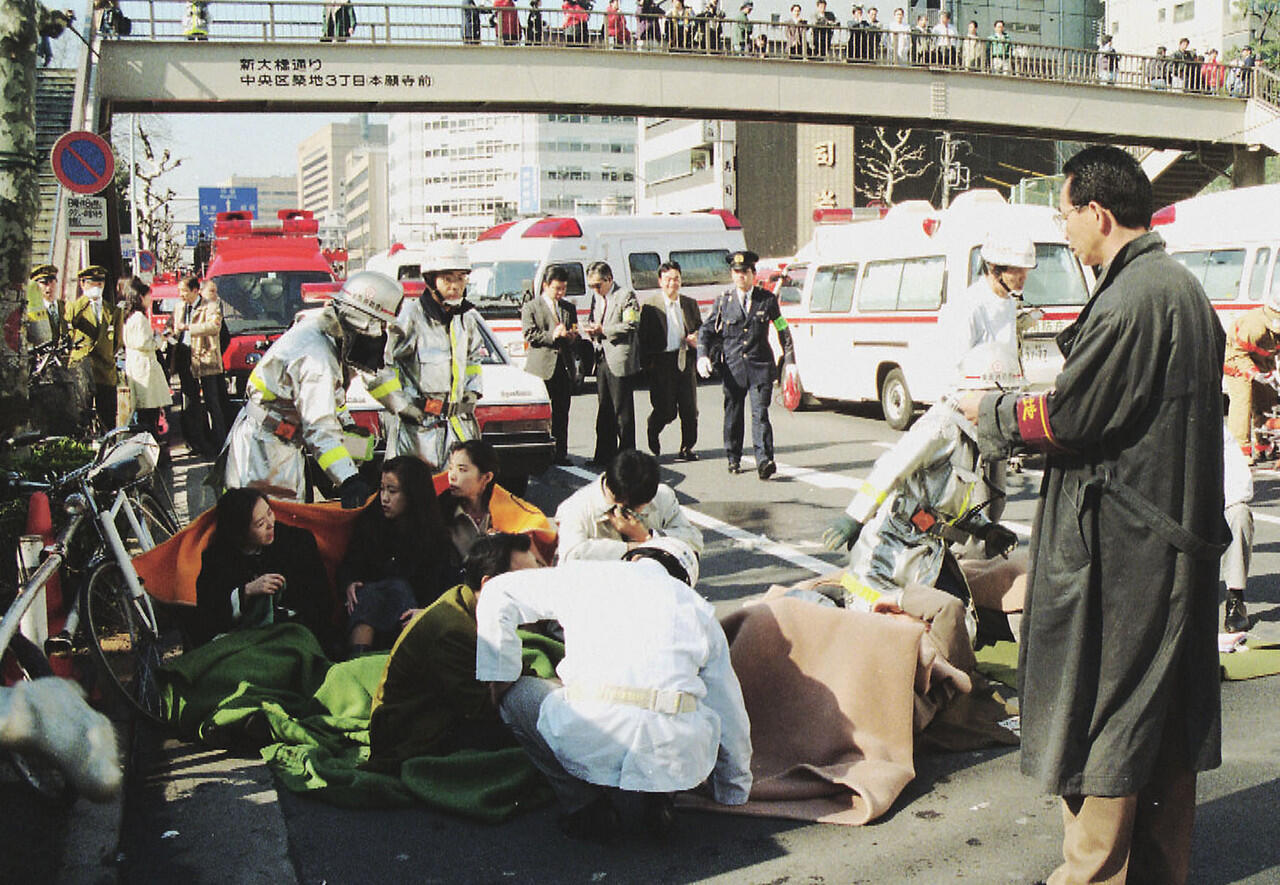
(83, 162)
(193, 235)
(224, 199)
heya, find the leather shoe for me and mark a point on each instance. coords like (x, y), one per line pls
(562, 461)
(659, 814)
(596, 822)
(735, 467)
(1236, 619)
(767, 469)
(686, 455)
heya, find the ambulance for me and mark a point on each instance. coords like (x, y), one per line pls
(509, 260)
(866, 324)
(1230, 241)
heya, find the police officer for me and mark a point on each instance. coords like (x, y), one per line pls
(736, 336)
(434, 349)
(298, 388)
(94, 326)
(44, 309)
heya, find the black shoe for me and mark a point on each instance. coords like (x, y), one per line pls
(562, 461)
(1237, 617)
(686, 455)
(767, 469)
(735, 467)
(596, 822)
(659, 814)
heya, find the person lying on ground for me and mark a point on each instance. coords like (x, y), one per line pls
(625, 507)
(255, 572)
(646, 700)
(428, 701)
(400, 558)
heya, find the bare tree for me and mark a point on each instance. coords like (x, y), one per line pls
(884, 162)
(156, 225)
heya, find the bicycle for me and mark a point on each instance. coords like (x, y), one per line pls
(113, 616)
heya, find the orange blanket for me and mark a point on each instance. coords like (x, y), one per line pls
(169, 571)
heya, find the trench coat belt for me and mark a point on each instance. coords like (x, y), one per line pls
(666, 701)
(282, 428)
(1173, 533)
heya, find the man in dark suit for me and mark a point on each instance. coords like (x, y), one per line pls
(736, 337)
(614, 323)
(195, 419)
(550, 328)
(669, 338)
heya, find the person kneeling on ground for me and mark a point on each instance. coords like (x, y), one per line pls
(625, 507)
(646, 700)
(399, 559)
(428, 701)
(255, 572)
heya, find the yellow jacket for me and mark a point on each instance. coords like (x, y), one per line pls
(94, 337)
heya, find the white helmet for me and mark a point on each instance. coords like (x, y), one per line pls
(445, 255)
(368, 301)
(1009, 248)
(675, 555)
(991, 366)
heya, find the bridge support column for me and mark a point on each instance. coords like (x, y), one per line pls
(1248, 167)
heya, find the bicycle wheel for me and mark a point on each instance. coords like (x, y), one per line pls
(153, 515)
(38, 771)
(129, 652)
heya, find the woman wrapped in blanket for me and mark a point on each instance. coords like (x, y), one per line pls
(473, 466)
(255, 572)
(400, 558)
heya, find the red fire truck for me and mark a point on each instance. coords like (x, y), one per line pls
(260, 267)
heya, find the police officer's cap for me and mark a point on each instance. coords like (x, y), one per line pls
(42, 272)
(744, 260)
(93, 273)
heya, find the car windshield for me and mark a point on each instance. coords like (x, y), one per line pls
(263, 299)
(1056, 280)
(498, 288)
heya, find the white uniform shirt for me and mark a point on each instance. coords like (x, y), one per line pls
(626, 625)
(675, 323)
(978, 316)
(586, 533)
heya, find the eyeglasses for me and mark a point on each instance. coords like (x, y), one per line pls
(1060, 219)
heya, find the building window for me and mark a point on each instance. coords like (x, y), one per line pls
(1183, 12)
(1159, 15)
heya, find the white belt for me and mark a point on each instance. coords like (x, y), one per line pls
(666, 701)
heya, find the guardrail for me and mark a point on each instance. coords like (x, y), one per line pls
(312, 21)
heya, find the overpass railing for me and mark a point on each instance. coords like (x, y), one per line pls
(577, 28)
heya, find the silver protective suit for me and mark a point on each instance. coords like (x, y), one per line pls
(299, 382)
(433, 364)
(932, 469)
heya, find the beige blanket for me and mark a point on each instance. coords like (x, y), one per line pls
(836, 699)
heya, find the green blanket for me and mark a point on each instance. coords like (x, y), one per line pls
(1260, 658)
(313, 716)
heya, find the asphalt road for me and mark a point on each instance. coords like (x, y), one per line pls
(966, 816)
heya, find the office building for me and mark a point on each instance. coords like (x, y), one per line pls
(322, 159)
(366, 204)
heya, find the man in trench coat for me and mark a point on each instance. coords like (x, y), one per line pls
(1118, 663)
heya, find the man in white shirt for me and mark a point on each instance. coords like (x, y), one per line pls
(625, 507)
(945, 40)
(646, 700)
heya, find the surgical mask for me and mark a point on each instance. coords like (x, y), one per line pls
(93, 293)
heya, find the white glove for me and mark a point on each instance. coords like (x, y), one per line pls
(704, 366)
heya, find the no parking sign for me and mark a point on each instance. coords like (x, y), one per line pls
(83, 162)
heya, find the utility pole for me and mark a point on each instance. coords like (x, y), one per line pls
(19, 198)
(946, 157)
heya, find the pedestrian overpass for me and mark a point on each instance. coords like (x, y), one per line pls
(269, 57)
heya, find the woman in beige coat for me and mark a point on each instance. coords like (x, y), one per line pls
(148, 385)
(205, 335)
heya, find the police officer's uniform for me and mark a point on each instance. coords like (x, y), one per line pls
(736, 337)
(44, 319)
(94, 326)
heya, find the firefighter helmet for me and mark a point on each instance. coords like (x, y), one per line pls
(445, 255)
(368, 301)
(1009, 248)
(675, 555)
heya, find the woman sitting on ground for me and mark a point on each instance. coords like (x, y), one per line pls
(255, 572)
(474, 505)
(400, 558)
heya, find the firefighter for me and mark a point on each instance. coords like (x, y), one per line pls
(923, 495)
(434, 349)
(1249, 372)
(989, 312)
(298, 389)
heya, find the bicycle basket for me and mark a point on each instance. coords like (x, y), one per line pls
(131, 459)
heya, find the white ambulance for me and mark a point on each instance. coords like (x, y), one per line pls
(866, 325)
(1230, 240)
(508, 261)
